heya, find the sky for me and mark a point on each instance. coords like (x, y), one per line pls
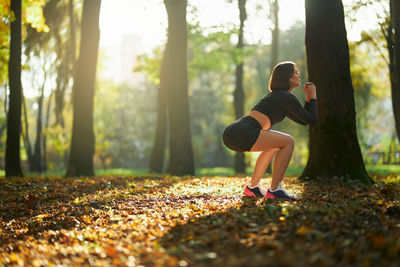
(147, 18)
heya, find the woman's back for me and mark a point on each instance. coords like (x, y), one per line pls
(279, 104)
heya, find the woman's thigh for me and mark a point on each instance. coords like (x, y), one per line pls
(272, 140)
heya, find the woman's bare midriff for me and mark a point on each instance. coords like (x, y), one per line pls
(262, 119)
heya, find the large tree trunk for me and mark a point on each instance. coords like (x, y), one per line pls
(394, 52)
(238, 95)
(13, 160)
(157, 155)
(334, 148)
(82, 143)
(175, 81)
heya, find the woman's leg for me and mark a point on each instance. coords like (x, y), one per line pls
(263, 160)
(270, 140)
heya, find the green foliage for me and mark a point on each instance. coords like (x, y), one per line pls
(370, 77)
(124, 125)
(150, 64)
(32, 16)
(211, 50)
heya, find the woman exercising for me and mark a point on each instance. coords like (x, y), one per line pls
(252, 131)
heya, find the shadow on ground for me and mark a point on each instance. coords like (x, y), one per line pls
(334, 223)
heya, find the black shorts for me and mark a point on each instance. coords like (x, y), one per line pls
(241, 135)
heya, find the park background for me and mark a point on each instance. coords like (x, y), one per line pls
(121, 152)
(132, 40)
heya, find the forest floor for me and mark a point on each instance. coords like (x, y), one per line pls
(197, 221)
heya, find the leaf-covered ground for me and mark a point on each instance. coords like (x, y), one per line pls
(201, 221)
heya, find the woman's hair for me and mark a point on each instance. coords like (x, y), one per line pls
(280, 77)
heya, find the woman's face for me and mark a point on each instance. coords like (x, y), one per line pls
(295, 79)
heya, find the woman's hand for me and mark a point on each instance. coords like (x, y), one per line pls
(310, 90)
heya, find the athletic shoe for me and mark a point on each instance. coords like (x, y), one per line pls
(279, 192)
(256, 191)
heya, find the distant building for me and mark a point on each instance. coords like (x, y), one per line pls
(120, 61)
(131, 47)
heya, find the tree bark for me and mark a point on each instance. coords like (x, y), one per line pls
(25, 134)
(238, 95)
(61, 82)
(274, 45)
(334, 148)
(274, 33)
(13, 159)
(37, 165)
(82, 143)
(157, 155)
(72, 49)
(46, 126)
(175, 81)
(394, 52)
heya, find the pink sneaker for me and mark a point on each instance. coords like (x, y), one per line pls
(254, 192)
(279, 193)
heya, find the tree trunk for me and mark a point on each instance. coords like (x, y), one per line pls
(72, 49)
(222, 158)
(37, 153)
(46, 126)
(61, 83)
(238, 95)
(2, 128)
(274, 45)
(82, 143)
(13, 159)
(395, 62)
(64, 74)
(25, 134)
(334, 148)
(275, 34)
(157, 155)
(175, 81)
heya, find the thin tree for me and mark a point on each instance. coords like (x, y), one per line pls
(13, 160)
(274, 14)
(274, 17)
(388, 26)
(160, 140)
(46, 127)
(175, 81)
(238, 94)
(394, 51)
(82, 143)
(37, 151)
(25, 131)
(334, 148)
(66, 67)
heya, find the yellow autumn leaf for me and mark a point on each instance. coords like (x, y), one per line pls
(302, 230)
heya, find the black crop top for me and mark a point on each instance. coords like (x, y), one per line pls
(279, 104)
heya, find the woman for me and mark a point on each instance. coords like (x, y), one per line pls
(252, 131)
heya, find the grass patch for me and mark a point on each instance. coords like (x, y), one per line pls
(381, 170)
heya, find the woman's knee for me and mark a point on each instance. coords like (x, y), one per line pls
(289, 142)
